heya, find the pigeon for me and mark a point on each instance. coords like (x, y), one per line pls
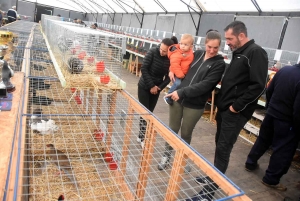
(62, 162)
(7, 73)
(43, 127)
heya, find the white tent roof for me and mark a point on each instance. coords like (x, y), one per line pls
(151, 6)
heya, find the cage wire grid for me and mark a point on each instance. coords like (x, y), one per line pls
(96, 129)
(85, 56)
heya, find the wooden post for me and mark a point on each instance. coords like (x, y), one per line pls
(177, 144)
(176, 176)
(99, 101)
(146, 160)
(110, 122)
(126, 141)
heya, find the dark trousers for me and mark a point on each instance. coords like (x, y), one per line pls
(149, 101)
(283, 140)
(11, 20)
(229, 125)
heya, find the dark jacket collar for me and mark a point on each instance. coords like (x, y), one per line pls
(241, 49)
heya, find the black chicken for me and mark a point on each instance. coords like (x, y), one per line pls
(39, 67)
(38, 84)
(40, 100)
(75, 65)
(61, 198)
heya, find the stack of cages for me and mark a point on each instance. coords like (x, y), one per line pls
(89, 133)
(13, 49)
(87, 58)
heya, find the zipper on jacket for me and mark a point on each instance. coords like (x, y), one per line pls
(196, 71)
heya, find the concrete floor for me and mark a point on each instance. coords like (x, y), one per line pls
(203, 142)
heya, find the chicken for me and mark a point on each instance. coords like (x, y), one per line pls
(38, 84)
(38, 67)
(40, 100)
(62, 162)
(39, 167)
(61, 198)
(75, 65)
(44, 127)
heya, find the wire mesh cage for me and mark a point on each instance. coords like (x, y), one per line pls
(80, 143)
(87, 58)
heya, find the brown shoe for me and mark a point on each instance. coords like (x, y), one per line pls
(278, 187)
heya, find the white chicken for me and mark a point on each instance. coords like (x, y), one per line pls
(44, 127)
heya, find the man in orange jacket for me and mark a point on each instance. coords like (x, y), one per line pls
(181, 56)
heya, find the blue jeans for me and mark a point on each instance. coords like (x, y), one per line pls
(175, 85)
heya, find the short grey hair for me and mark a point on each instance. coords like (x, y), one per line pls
(14, 7)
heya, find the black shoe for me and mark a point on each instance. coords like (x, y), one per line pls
(204, 180)
(251, 167)
(203, 195)
(168, 101)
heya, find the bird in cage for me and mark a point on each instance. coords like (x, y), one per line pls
(39, 167)
(37, 116)
(7, 73)
(44, 127)
(38, 84)
(64, 44)
(61, 198)
(39, 67)
(62, 162)
(40, 100)
(75, 65)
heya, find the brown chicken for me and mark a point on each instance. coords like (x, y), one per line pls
(62, 162)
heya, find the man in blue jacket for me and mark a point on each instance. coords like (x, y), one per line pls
(280, 128)
(12, 14)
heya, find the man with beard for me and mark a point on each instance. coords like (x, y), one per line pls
(243, 82)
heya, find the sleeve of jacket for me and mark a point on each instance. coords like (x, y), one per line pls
(175, 67)
(269, 91)
(165, 82)
(258, 72)
(207, 84)
(147, 63)
(296, 111)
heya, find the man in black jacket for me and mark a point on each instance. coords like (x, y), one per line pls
(243, 83)
(280, 128)
(12, 14)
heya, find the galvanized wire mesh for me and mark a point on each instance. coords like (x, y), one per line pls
(96, 130)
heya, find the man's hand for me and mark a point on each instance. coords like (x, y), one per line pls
(154, 90)
(171, 76)
(232, 110)
(174, 96)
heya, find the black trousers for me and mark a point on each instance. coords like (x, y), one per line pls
(149, 101)
(229, 125)
(283, 140)
(11, 20)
